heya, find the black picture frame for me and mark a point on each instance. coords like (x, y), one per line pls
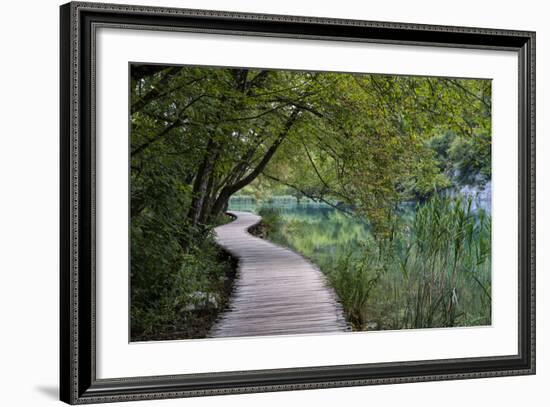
(78, 382)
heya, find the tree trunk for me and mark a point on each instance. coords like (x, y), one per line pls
(200, 186)
(228, 190)
(204, 215)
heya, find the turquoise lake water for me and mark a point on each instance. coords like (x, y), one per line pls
(315, 229)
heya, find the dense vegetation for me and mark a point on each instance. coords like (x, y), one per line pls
(359, 143)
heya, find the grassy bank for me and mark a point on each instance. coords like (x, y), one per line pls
(432, 270)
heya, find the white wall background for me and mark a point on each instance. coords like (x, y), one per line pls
(29, 163)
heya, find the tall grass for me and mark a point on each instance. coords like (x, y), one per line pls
(445, 266)
(432, 271)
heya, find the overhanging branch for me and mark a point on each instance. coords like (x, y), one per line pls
(310, 196)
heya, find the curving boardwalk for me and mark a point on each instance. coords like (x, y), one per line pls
(276, 291)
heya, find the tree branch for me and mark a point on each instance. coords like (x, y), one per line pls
(310, 196)
(167, 129)
(267, 156)
(229, 190)
(325, 184)
(467, 91)
(151, 96)
(156, 91)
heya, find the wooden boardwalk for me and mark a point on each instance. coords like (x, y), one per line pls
(276, 291)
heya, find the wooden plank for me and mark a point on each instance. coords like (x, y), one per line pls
(277, 291)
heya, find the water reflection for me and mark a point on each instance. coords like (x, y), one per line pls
(315, 229)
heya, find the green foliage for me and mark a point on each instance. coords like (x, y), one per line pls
(370, 146)
(464, 160)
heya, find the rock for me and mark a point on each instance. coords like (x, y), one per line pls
(202, 300)
(372, 326)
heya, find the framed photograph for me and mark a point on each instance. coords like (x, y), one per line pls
(255, 203)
